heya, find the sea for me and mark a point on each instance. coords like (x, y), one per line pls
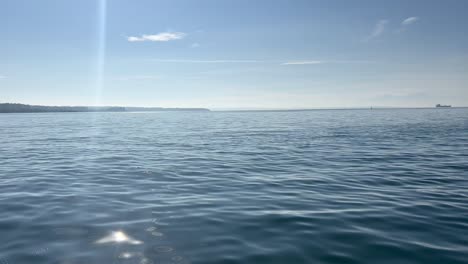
(322, 186)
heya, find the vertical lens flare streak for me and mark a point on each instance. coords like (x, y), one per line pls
(101, 50)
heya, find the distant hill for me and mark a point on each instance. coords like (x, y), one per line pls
(25, 108)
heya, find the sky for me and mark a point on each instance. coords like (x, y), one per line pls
(234, 54)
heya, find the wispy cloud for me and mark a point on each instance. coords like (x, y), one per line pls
(303, 62)
(160, 37)
(2, 77)
(136, 77)
(281, 62)
(195, 45)
(312, 62)
(379, 29)
(405, 24)
(409, 21)
(206, 61)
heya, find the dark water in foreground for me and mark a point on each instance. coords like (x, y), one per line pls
(383, 186)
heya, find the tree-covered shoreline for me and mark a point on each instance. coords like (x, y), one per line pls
(25, 108)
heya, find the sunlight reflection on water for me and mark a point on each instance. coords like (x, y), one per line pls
(118, 237)
(305, 187)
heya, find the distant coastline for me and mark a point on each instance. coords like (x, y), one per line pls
(26, 108)
(326, 109)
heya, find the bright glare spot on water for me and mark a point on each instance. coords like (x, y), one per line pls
(118, 237)
(126, 255)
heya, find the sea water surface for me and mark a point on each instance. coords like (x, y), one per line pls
(330, 186)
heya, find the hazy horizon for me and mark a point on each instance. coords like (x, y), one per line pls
(234, 55)
(250, 108)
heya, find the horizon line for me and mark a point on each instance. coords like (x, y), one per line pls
(246, 109)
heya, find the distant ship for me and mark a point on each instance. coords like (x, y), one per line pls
(439, 105)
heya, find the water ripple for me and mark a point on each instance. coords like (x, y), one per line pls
(386, 186)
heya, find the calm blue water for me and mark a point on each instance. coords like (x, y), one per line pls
(382, 186)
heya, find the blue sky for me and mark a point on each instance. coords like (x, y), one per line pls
(234, 54)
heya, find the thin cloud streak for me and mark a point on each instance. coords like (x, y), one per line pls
(409, 21)
(315, 62)
(379, 29)
(137, 77)
(406, 23)
(302, 62)
(2, 77)
(207, 61)
(160, 37)
(293, 62)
